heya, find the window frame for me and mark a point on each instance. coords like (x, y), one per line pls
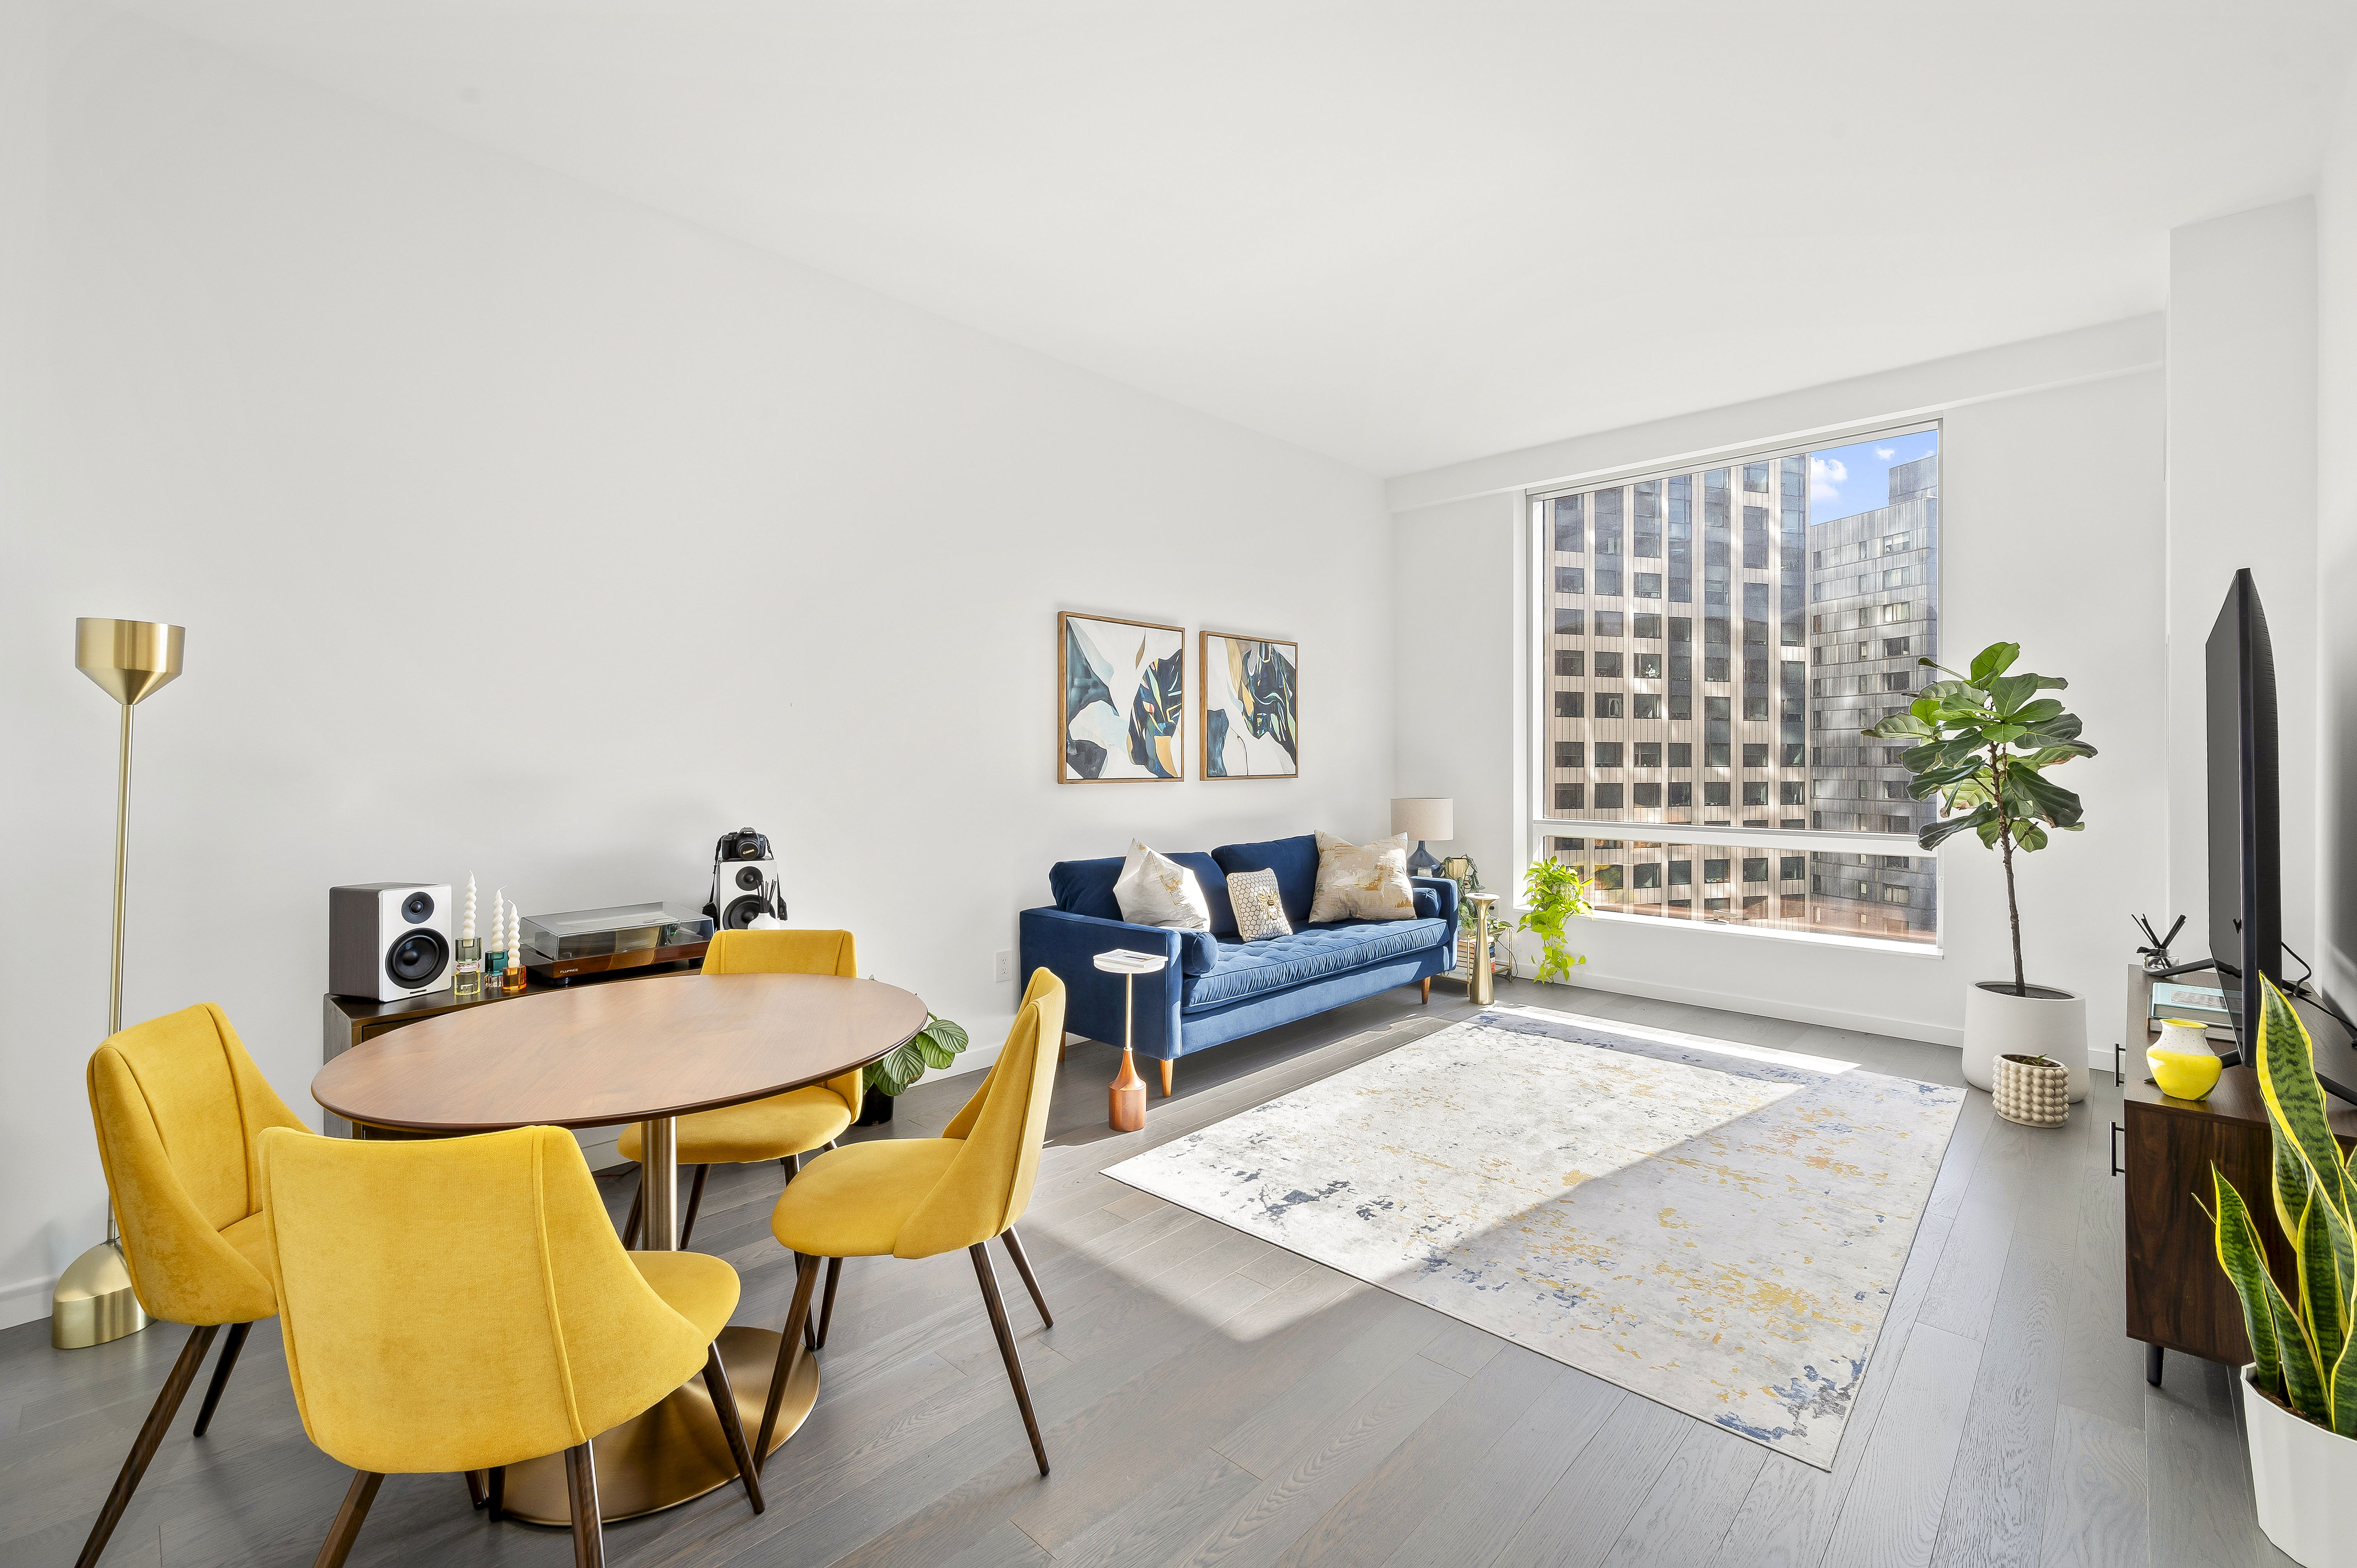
(1534, 556)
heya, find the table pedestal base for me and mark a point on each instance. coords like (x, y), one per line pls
(674, 1453)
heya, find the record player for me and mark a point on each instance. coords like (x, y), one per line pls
(625, 936)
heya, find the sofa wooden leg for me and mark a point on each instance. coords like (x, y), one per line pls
(1168, 1064)
(1427, 991)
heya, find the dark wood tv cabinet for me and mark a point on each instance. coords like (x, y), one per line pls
(2177, 1297)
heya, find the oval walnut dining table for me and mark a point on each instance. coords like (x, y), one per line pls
(646, 1051)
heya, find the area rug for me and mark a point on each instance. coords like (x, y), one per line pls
(1714, 1226)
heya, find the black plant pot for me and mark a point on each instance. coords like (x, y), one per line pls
(875, 1108)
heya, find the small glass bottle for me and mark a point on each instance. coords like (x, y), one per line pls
(468, 983)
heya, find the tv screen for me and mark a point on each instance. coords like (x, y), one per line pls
(2246, 874)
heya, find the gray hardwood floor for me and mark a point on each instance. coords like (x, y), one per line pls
(1208, 1398)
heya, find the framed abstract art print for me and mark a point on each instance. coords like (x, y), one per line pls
(1120, 695)
(1251, 722)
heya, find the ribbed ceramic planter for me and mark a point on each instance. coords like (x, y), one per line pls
(2301, 1476)
(2047, 1022)
(2031, 1092)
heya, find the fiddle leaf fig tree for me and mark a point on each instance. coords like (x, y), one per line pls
(1984, 741)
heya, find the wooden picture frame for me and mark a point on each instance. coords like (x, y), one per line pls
(1140, 738)
(1248, 716)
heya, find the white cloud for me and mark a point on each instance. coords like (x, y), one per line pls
(1825, 476)
(1885, 453)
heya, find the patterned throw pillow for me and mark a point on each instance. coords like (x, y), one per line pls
(1260, 913)
(1366, 882)
(1155, 890)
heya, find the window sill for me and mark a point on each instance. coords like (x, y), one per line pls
(1884, 945)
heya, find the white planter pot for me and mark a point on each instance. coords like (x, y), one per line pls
(2047, 1022)
(2302, 1477)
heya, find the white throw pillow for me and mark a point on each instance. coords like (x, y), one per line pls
(1260, 912)
(1367, 881)
(1156, 890)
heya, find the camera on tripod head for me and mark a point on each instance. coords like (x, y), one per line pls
(743, 881)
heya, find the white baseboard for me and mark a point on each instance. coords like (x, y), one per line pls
(1792, 1012)
(25, 1300)
(1824, 1017)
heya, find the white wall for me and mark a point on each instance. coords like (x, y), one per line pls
(521, 530)
(2051, 529)
(2336, 578)
(2241, 493)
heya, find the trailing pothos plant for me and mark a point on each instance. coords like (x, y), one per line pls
(936, 1046)
(1557, 893)
(2301, 1341)
(1984, 741)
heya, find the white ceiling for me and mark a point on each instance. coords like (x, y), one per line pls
(1401, 234)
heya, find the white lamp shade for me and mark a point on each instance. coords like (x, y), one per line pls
(1425, 818)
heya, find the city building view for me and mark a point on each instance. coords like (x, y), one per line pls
(1714, 642)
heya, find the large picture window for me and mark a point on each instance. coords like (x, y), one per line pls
(1734, 626)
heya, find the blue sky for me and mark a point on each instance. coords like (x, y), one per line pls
(1845, 480)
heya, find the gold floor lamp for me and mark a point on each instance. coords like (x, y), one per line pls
(131, 660)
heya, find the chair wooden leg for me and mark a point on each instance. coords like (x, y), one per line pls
(581, 1486)
(236, 1342)
(348, 1520)
(1030, 1280)
(724, 1404)
(1170, 1065)
(826, 1307)
(151, 1436)
(1427, 991)
(981, 1255)
(496, 1504)
(694, 1202)
(476, 1492)
(638, 1205)
(797, 1318)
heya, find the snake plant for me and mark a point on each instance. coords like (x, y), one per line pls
(2301, 1342)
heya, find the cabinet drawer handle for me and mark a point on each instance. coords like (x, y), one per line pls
(2115, 1148)
(2119, 1056)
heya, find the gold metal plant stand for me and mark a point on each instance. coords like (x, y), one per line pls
(131, 660)
(1481, 983)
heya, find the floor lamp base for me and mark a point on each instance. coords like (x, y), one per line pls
(93, 1304)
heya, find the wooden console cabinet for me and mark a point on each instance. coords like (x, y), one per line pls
(2177, 1297)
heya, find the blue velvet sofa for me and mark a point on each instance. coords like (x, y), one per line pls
(1217, 987)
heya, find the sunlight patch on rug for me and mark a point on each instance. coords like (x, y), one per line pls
(1715, 1226)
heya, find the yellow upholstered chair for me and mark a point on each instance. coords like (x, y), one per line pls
(783, 1127)
(912, 1197)
(178, 1105)
(463, 1304)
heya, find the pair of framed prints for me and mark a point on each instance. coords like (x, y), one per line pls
(1121, 701)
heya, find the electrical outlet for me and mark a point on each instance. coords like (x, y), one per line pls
(1005, 973)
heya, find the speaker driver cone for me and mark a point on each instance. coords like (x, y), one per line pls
(741, 912)
(417, 958)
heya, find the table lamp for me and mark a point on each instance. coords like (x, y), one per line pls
(131, 660)
(1424, 819)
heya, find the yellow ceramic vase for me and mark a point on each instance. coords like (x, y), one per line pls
(2183, 1064)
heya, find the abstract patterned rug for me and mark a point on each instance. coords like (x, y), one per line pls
(1714, 1226)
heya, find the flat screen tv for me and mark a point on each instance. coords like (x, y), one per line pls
(2246, 860)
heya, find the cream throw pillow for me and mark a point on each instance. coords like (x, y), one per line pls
(1366, 882)
(1156, 890)
(1260, 912)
